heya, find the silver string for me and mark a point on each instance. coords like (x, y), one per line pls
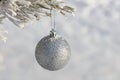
(51, 20)
(54, 20)
(52, 17)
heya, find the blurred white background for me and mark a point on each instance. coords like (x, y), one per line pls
(93, 35)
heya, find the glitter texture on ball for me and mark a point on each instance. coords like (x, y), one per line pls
(52, 52)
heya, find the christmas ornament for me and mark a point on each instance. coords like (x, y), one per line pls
(52, 52)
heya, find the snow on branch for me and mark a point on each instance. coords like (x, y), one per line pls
(2, 33)
(23, 11)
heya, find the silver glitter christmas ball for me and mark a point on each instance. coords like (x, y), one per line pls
(52, 52)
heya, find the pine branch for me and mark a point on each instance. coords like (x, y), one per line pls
(22, 11)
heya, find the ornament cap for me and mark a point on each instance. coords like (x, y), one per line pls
(52, 33)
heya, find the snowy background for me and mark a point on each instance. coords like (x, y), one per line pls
(93, 35)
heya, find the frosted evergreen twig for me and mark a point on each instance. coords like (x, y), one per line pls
(22, 11)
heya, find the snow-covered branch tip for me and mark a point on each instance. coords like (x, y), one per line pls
(23, 11)
(2, 33)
